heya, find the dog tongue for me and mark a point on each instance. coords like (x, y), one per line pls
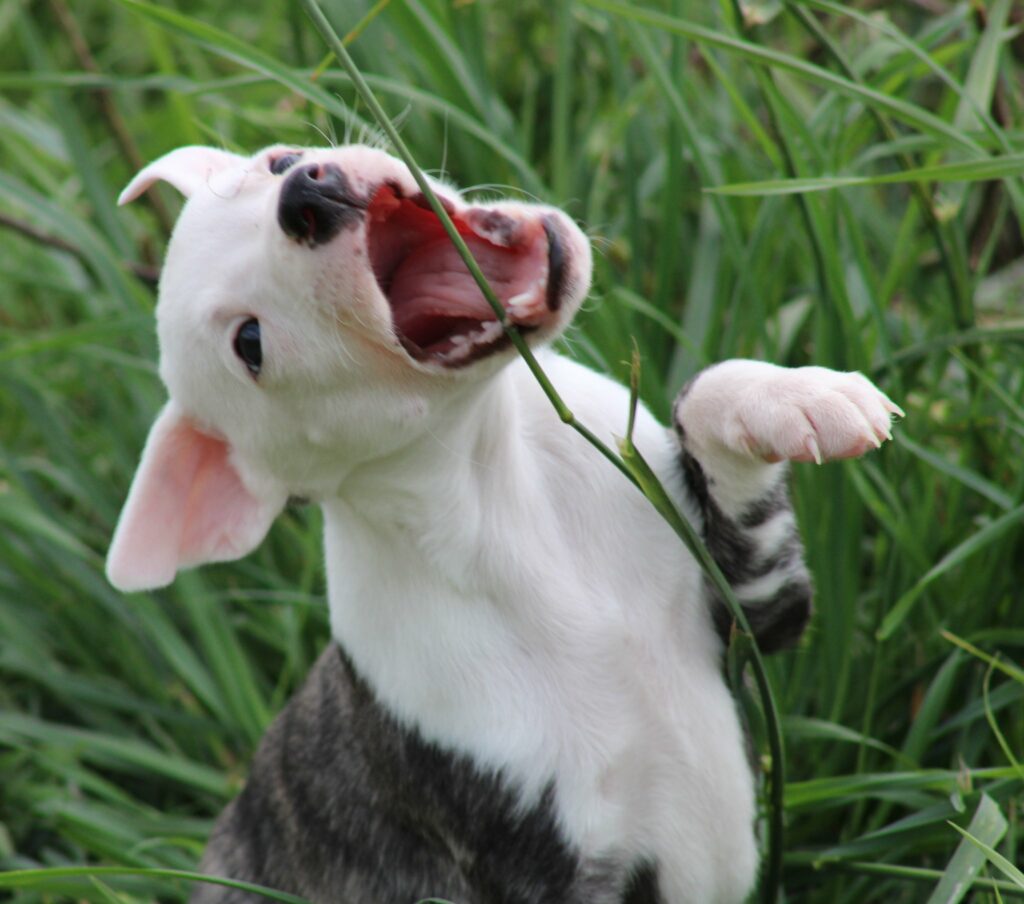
(435, 303)
(432, 288)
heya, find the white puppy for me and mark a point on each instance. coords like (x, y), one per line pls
(525, 700)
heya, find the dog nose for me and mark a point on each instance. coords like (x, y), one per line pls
(316, 203)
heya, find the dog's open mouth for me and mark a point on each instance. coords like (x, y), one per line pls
(439, 313)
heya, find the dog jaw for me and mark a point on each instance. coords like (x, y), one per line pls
(439, 313)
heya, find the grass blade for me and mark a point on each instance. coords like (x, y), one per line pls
(227, 45)
(995, 858)
(988, 826)
(763, 56)
(41, 878)
(987, 536)
(984, 169)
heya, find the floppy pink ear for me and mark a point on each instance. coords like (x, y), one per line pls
(185, 168)
(187, 505)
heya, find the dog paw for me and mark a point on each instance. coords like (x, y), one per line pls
(774, 413)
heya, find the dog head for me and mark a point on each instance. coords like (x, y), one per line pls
(313, 314)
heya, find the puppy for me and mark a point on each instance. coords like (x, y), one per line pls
(523, 701)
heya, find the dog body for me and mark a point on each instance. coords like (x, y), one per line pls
(525, 702)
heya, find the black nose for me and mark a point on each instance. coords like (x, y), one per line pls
(316, 203)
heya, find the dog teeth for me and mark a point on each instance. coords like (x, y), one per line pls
(522, 304)
(463, 345)
(489, 331)
(516, 303)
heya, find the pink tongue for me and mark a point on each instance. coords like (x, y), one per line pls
(433, 282)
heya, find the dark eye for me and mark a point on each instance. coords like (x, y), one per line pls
(247, 345)
(279, 164)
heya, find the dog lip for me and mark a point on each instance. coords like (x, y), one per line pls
(316, 202)
(557, 264)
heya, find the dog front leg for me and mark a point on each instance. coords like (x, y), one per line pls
(738, 423)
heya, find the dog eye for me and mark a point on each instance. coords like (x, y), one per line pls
(279, 164)
(247, 345)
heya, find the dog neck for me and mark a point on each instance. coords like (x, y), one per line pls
(447, 459)
(426, 591)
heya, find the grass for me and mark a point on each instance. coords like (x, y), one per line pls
(867, 214)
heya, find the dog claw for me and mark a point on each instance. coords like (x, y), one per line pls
(812, 448)
(893, 408)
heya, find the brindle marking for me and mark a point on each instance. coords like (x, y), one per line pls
(759, 551)
(344, 805)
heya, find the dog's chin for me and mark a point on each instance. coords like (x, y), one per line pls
(439, 314)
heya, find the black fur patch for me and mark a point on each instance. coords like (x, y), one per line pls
(556, 265)
(768, 506)
(731, 546)
(777, 623)
(643, 887)
(778, 620)
(344, 804)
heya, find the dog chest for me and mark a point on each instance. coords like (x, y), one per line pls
(559, 637)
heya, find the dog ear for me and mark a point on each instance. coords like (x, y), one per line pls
(185, 168)
(187, 505)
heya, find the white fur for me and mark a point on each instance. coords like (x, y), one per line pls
(499, 585)
(540, 616)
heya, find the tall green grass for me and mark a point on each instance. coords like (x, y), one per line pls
(815, 188)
